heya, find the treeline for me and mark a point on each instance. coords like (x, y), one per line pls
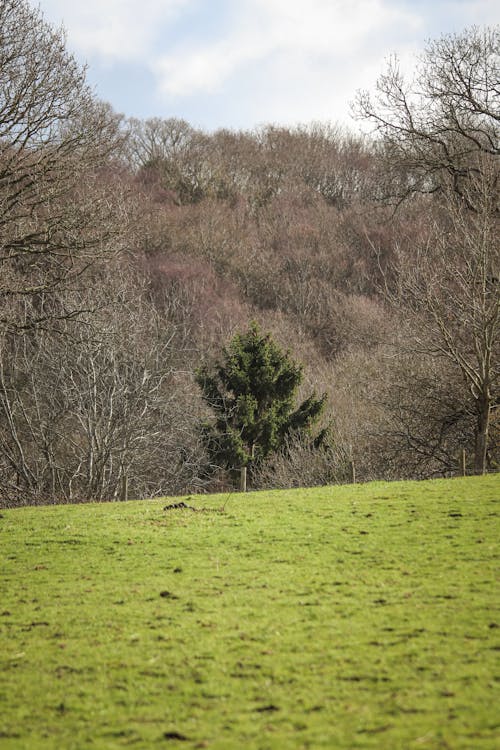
(132, 251)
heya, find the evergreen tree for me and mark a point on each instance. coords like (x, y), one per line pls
(252, 391)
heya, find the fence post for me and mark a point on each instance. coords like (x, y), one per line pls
(124, 492)
(352, 471)
(463, 468)
(243, 479)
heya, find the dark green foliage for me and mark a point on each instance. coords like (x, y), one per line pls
(252, 391)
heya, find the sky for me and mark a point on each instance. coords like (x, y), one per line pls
(240, 64)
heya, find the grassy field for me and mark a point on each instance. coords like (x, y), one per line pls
(341, 617)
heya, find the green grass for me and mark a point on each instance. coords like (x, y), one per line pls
(341, 617)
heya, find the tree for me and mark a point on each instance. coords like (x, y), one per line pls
(252, 391)
(102, 407)
(300, 463)
(440, 136)
(442, 128)
(451, 285)
(56, 142)
(173, 151)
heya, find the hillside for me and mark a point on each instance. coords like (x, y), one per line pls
(133, 251)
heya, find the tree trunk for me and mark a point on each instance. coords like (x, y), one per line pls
(243, 479)
(483, 424)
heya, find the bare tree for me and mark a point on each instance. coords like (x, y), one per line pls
(300, 464)
(55, 139)
(103, 408)
(451, 283)
(442, 128)
(439, 135)
(173, 151)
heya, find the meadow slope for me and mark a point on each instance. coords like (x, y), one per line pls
(338, 617)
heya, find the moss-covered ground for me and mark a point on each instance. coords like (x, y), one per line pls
(341, 617)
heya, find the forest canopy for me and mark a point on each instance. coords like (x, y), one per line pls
(133, 251)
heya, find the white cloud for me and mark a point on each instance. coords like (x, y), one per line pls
(278, 33)
(289, 60)
(113, 30)
(242, 62)
(479, 12)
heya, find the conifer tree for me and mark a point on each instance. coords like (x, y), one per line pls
(252, 391)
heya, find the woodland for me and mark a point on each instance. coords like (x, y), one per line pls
(132, 252)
